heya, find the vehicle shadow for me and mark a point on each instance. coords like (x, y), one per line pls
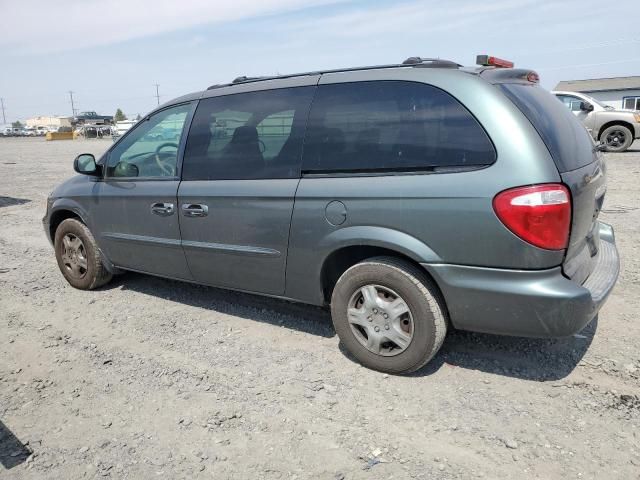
(12, 451)
(304, 318)
(518, 357)
(11, 201)
(537, 359)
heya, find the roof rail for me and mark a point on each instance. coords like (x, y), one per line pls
(430, 62)
(416, 62)
(244, 78)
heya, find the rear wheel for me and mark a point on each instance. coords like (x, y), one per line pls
(78, 256)
(388, 314)
(617, 138)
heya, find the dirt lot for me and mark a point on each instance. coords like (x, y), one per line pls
(150, 378)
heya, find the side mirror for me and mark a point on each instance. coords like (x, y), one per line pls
(85, 164)
(586, 107)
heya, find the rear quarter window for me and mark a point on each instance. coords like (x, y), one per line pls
(564, 135)
(391, 126)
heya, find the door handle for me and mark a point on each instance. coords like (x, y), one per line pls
(195, 210)
(162, 209)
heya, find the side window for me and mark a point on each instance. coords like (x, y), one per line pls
(151, 149)
(631, 103)
(254, 135)
(274, 131)
(571, 102)
(391, 125)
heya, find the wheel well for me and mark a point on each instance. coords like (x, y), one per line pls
(616, 122)
(57, 218)
(341, 260)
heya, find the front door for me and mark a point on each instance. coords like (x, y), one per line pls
(135, 206)
(240, 173)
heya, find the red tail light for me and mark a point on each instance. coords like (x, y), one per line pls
(540, 214)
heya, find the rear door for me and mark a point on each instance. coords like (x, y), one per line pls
(240, 173)
(581, 168)
(135, 206)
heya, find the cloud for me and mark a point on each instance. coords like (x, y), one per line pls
(36, 27)
(407, 17)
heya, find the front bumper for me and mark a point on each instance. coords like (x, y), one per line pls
(531, 303)
(47, 228)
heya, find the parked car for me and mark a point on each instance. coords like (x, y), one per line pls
(615, 129)
(121, 128)
(92, 118)
(413, 207)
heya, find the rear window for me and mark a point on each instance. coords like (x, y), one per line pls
(566, 138)
(391, 126)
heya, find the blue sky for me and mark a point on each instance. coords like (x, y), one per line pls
(112, 52)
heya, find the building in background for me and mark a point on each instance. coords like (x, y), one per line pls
(55, 122)
(618, 92)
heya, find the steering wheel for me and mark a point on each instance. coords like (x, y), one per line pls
(168, 169)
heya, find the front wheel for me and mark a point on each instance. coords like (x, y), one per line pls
(617, 138)
(78, 256)
(389, 315)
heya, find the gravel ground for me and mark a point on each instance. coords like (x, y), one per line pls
(151, 378)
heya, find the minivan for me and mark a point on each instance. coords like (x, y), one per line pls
(409, 198)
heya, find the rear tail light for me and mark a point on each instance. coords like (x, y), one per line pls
(539, 215)
(533, 77)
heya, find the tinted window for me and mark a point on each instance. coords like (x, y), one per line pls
(151, 149)
(391, 125)
(248, 135)
(566, 138)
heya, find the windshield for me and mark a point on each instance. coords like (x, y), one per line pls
(593, 100)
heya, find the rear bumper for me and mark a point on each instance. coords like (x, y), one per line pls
(532, 303)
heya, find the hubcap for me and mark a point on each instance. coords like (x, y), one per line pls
(380, 320)
(74, 256)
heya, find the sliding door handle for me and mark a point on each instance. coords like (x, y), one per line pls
(195, 210)
(162, 209)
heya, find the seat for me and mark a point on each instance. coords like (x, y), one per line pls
(242, 155)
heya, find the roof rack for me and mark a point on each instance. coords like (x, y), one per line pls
(431, 62)
(414, 62)
(244, 78)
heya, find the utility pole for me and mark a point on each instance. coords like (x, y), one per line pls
(4, 119)
(73, 108)
(157, 93)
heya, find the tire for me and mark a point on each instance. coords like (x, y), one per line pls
(617, 138)
(80, 263)
(390, 277)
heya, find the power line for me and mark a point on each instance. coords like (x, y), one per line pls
(157, 93)
(73, 108)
